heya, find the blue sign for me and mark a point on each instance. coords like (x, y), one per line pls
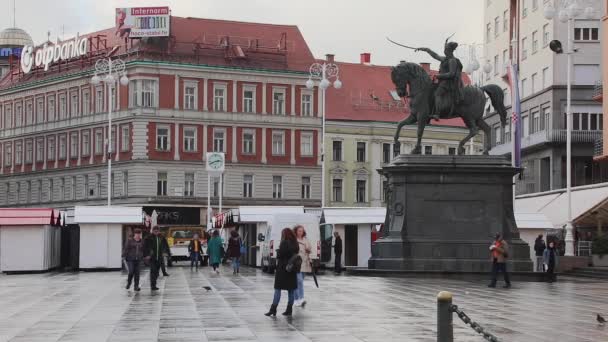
(6, 52)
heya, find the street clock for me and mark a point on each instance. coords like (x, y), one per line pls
(215, 162)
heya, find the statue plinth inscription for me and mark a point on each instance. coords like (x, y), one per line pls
(443, 212)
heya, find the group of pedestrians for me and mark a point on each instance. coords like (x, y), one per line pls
(547, 257)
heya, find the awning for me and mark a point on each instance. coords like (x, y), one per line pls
(532, 221)
(374, 215)
(123, 215)
(28, 216)
(265, 213)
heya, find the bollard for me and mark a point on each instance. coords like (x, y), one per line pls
(445, 330)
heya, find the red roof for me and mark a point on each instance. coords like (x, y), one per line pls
(198, 41)
(365, 96)
(27, 216)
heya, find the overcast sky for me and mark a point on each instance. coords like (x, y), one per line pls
(343, 27)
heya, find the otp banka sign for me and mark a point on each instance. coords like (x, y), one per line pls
(47, 54)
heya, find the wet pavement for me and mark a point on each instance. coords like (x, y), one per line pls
(95, 307)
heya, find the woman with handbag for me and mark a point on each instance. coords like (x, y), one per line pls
(234, 250)
(285, 278)
(304, 252)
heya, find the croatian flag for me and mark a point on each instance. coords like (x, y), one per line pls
(513, 81)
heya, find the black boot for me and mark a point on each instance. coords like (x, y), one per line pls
(273, 310)
(288, 311)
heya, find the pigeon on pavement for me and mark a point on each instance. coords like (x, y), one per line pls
(208, 288)
(601, 319)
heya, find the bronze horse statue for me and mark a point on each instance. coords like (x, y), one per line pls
(470, 109)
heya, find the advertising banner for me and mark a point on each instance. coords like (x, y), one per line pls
(139, 22)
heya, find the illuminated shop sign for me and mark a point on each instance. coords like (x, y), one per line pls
(52, 53)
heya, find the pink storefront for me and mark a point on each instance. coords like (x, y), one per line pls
(30, 239)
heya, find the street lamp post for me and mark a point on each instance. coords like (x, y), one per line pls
(326, 72)
(568, 12)
(114, 70)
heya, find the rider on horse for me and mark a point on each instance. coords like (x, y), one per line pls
(449, 89)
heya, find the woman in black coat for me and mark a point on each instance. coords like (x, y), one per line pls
(284, 280)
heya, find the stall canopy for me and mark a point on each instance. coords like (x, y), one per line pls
(28, 216)
(354, 215)
(264, 214)
(124, 215)
(532, 221)
(589, 205)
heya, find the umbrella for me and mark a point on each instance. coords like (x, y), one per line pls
(314, 276)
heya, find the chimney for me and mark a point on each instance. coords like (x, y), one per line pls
(366, 58)
(329, 58)
(426, 66)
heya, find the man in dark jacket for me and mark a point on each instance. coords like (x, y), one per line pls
(539, 248)
(153, 252)
(499, 252)
(133, 253)
(338, 253)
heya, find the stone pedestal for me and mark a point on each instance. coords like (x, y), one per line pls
(443, 213)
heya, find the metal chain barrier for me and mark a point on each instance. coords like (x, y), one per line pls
(474, 325)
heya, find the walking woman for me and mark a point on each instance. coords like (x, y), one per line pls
(215, 250)
(234, 251)
(304, 252)
(284, 280)
(133, 252)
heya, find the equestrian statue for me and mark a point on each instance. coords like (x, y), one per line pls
(443, 96)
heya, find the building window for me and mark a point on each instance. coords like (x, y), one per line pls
(113, 99)
(125, 138)
(74, 145)
(189, 139)
(86, 102)
(534, 82)
(505, 61)
(337, 150)
(162, 138)
(248, 186)
(219, 138)
(525, 125)
(161, 184)
(360, 191)
(428, 149)
(507, 134)
(87, 187)
(386, 153)
(51, 108)
(74, 105)
(545, 77)
(29, 113)
(524, 48)
(73, 188)
(7, 117)
(62, 107)
(524, 87)
(545, 34)
(534, 41)
(278, 143)
(496, 68)
(63, 146)
(190, 90)
(40, 110)
(452, 151)
(306, 105)
(8, 156)
(249, 141)
(488, 32)
(99, 100)
(51, 190)
(18, 115)
(249, 99)
(277, 186)
(305, 187)
(219, 98)
(497, 135)
(505, 21)
(18, 153)
(278, 101)
(524, 11)
(337, 190)
(189, 185)
(306, 143)
(534, 5)
(29, 152)
(143, 93)
(125, 183)
(62, 193)
(51, 148)
(586, 33)
(361, 151)
(98, 184)
(535, 127)
(40, 150)
(496, 26)
(98, 142)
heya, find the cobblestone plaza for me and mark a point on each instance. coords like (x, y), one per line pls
(96, 307)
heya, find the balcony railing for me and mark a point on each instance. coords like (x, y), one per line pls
(598, 148)
(598, 90)
(549, 136)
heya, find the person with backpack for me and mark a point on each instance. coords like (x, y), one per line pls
(215, 249)
(234, 250)
(288, 266)
(305, 250)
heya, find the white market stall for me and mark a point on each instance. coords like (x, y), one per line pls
(30, 240)
(101, 234)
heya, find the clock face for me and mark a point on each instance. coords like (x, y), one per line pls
(216, 161)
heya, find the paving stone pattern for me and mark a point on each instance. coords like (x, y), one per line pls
(93, 307)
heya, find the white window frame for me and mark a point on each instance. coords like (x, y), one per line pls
(223, 140)
(163, 183)
(40, 110)
(248, 187)
(306, 105)
(279, 106)
(18, 153)
(250, 131)
(534, 42)
(220, 102)
(505, 21)
(125, 138)
(546, 37)
(86, 143)
(310, 137)
(8, 155)
(252, 89)
(18, 121)
(167, 138)
(86, 102)
(99, 143)
(278, 146)
(39, 150)
(277, 191)
(99, 99)
(74, 102)
(63, 106)
(306, 187)
(140, 97)
(63, 146)
(29, 151)
(190, 142)
(8, 116)
(50, 109)
(29, 112)
(333, 193)
(189, 184)
(524, 50)
(190, 100)
(74, 141)
(51, 148)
